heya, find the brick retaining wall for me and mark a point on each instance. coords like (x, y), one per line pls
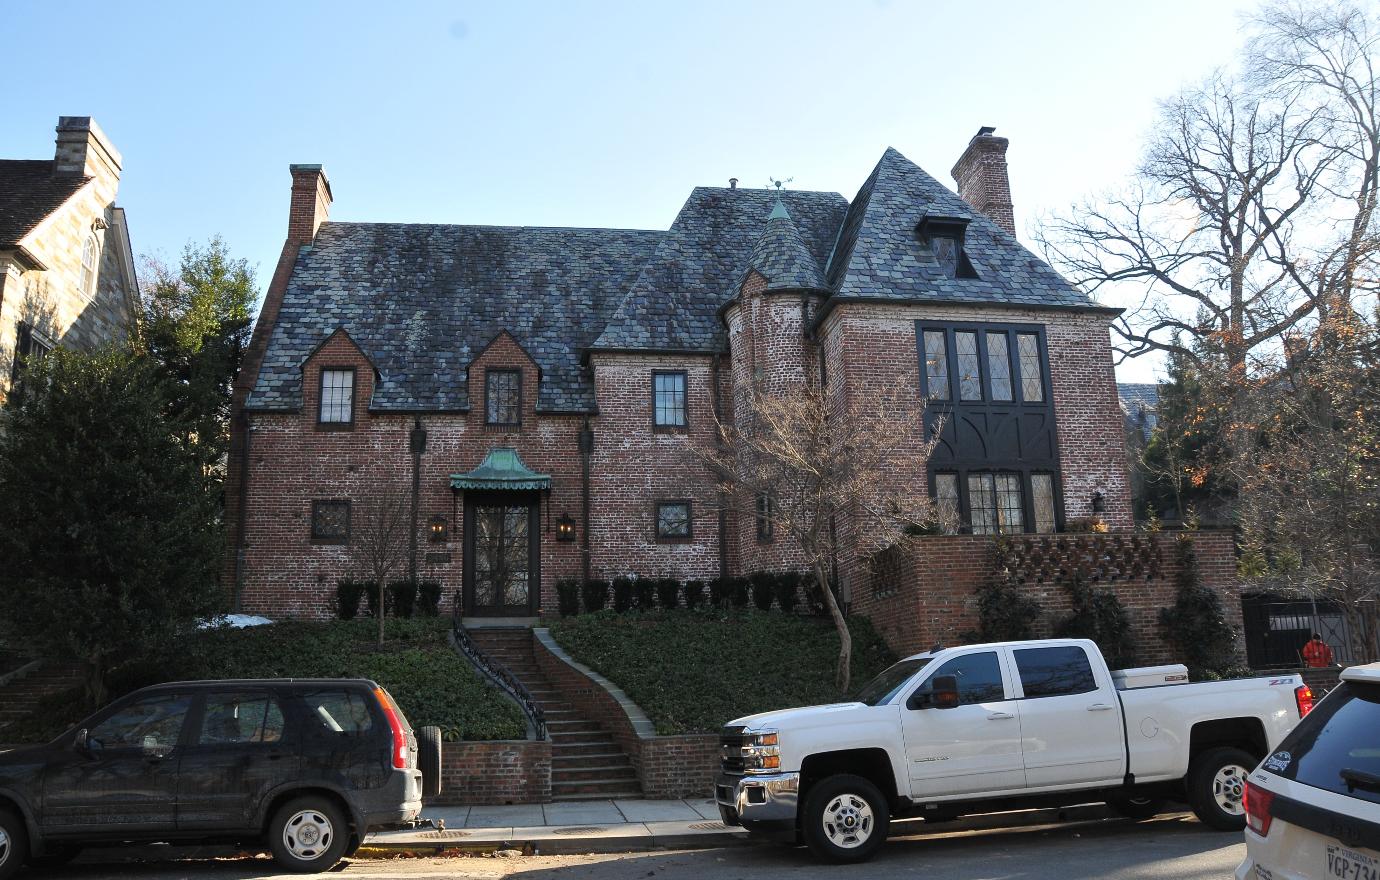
(495, 772)
(929, 595)
(667, 766)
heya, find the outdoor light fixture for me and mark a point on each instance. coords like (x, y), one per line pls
(438, 529)
(565, 527)
(1099, 502)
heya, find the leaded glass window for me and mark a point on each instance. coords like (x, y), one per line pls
(1042, 496)
(937, 364)
(946, 500)
(995, 504)
(668, 399)
(969, 372)
(673, 520)
(766, 517)
(1032, 381)
(330, 522)
(337, 396)
(503, 397)
(999, 366)
(945, 248)
(90, 252)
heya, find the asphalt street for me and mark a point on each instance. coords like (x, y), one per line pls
(1169, 848)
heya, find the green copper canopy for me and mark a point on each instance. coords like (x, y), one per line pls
(501, 469)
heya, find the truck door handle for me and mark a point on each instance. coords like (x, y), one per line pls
(1099, 707)
(1000, 716)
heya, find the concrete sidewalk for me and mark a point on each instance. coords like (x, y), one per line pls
(569, 827)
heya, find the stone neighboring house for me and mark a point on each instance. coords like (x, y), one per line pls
(535, 390)
(1140, 403)
(66, 267)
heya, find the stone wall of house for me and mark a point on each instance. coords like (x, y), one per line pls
(495, 772)
(927, 595)
(52, 299)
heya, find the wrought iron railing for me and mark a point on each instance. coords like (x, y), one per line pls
(1278, 629)
(497, 672)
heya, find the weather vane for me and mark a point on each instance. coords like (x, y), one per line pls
(772, 181)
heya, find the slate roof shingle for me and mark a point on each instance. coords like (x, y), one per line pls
(29, 192)
(423, 300)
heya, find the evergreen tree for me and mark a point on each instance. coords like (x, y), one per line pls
(110, 539)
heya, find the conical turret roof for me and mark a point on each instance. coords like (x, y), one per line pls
(782, 256)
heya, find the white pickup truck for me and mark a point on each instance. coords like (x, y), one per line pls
(1003, 725)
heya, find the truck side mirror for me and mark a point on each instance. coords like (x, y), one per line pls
(944, 691)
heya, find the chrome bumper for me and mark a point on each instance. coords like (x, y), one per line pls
(757, 798)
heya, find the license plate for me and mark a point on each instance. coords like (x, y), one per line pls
(1347, 864)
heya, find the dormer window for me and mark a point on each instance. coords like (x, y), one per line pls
(943, 238)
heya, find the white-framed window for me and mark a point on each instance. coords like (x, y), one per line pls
(337, 396)
(90, 256)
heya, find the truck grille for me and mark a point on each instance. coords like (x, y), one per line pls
(731, 744)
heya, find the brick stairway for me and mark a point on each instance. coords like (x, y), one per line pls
(586, 762)
(21, 697)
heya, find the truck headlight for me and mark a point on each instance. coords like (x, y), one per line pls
(762, 753)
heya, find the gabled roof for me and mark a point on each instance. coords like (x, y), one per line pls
(1139, 404)
(422, 300)
(29, 192)
(878, 256)
(673, 305)
(782, 256)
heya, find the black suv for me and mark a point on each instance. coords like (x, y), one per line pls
(306, 766)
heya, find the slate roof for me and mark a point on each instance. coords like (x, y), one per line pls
(782, 256)
(879, 257)
(29, 192)
(423, 300)
(1139, 402)
(674, 303)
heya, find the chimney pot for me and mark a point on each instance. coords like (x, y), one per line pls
(311, 202)
(982, 178)
(733, 183)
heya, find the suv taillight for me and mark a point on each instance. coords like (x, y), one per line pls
(1303, 697)
(1256, 802)
(399, 748)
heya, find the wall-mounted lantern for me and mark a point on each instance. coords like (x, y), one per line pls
(1099, 502)
(438, 529)
(565, 527)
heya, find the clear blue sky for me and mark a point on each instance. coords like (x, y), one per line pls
(583, 114)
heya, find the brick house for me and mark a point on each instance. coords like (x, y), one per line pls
(534, 390)
(66, 267)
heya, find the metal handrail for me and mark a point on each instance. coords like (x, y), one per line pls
(497, 672)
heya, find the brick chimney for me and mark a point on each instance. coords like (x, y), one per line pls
(982, 179)
(82, 148)
(311, 203)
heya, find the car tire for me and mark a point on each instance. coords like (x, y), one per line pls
(308, 834)
(1216, 780)
(846, 818)
(14, 844)
(429, 759)
(1136, 806)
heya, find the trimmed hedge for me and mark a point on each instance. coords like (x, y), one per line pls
(431, 683)
(692, 671)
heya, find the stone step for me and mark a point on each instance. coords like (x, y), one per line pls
(610, 773)
(577, 749)
(574, 725)
(610, 757)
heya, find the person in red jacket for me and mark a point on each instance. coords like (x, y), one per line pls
(1316, 653)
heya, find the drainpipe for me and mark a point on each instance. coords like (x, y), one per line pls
(718, 440)
(586, 451)
(416, 443)
(246, 431)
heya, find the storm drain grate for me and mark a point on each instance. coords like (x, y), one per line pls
(580, 829)
(444, 835)
(708, 826)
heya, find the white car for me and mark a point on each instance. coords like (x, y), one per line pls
(1313, 806)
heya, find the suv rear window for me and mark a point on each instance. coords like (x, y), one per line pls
(1338, 737)
(340, 711)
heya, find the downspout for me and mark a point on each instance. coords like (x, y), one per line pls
(246, 432)
(416, 443)
(718, 439)
(586, 451)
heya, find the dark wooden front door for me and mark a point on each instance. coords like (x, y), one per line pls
(502, 554)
